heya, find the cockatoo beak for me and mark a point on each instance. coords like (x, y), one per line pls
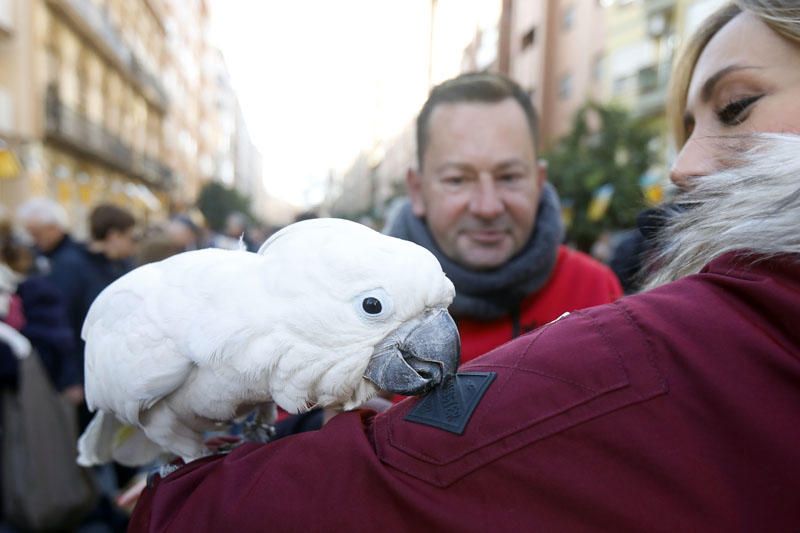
(418, 356)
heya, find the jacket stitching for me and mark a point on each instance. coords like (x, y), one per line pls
(626, 312)
(545, 374)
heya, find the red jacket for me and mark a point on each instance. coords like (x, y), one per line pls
(577, 282)
(672, 410)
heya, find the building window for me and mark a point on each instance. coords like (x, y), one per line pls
(529, 38)
(619, 86)
(565, 87)
(647, 79)
(597, 68)
(569, 18)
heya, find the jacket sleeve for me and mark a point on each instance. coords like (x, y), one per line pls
(239, 490)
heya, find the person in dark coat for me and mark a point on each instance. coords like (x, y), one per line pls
(36, 310)
(46, 221)
(674, 409)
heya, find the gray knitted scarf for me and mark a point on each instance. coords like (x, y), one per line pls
(491, 294)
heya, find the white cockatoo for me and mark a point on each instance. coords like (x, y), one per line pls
(326, 313)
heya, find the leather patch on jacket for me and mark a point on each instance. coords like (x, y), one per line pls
(450, 406)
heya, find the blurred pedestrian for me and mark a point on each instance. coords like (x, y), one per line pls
(34, 306)
(157, 246)
(181, 230)
(236, 231)
(47, 223)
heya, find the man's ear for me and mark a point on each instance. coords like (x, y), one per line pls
(541, 172)
(414, 187)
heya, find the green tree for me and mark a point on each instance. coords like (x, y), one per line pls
(606, 146)
(216, 202)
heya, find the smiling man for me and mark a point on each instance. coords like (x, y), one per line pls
(480, 201)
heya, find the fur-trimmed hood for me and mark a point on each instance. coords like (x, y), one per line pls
(752, 208)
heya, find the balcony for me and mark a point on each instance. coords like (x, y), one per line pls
(95, 25)
(150, 85)
(77, 132)
(151, 170)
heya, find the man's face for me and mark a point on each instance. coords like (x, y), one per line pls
(480, 182)
(120, 244)
(45, 236)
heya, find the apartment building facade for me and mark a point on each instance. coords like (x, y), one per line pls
(84, 104)
(111, 100)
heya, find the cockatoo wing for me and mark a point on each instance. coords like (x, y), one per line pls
(131, 360)
(151, 330)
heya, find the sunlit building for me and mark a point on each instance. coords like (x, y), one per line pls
(82, 103)
(557, 53)
(115, 100)
(643, 39)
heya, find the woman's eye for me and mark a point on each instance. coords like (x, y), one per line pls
(734, 113)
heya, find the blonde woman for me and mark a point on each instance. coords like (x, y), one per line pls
(677, 409)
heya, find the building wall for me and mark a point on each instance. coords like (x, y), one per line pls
(581, 55)
(557, 54)
(527, 46)
(87, 105)
(185, 22)
(643, 40)
(114, 100)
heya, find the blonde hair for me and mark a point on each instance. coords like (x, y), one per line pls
(783, 16)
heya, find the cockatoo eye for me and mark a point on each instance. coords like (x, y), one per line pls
(372, 306)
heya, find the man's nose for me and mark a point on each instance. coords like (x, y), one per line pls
(486, 202)
(697, 158)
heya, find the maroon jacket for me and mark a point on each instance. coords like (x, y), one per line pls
(673, 410)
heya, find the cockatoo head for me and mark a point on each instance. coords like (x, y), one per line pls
(363, 311)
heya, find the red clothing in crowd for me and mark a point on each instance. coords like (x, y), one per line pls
(577, 282)
(672, 410)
